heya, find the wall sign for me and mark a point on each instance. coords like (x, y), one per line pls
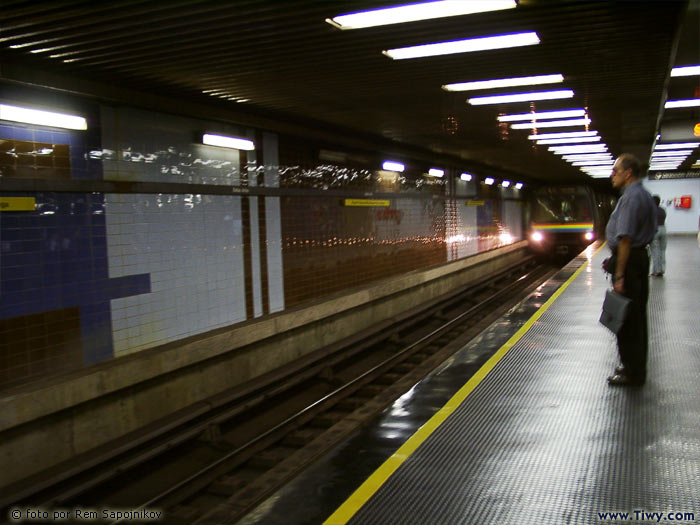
(17, 203)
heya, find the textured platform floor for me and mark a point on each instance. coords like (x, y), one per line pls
(544, 439)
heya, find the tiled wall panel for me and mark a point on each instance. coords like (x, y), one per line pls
(192, 248)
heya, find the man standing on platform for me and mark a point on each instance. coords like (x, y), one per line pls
(630, 229)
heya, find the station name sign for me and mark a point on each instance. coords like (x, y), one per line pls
(662, 175)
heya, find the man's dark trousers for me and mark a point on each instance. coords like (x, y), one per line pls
(632, 339)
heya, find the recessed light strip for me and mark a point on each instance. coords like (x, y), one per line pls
(567, 134)
(414, 12)
(464, 46)
(42, 118)
(593, 148)
(685, 71)
(688, 103)
(543, 115)
(672, 153)
(677, 145)
(504, 82)
(569, 141)
(552, 124)
(521, 97)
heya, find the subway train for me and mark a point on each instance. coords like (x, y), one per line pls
(564, 220)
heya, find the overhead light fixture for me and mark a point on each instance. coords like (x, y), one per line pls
(521, 97)
(685, 71)
(676, 145)
(518, 186)
(688, 103)
(660, 167)
(504, 82)
(673, 153)
(587, 156)
(436, 172)
(489, 181)
(227, 142)
(415, 12)
(552, 124)
(565, 135)
(608, 162)
(586, 148)
(543, 115)
(42, 118)
(464, 46)
(466, 177)
(569, 141)
(505, 183)
(393, 166)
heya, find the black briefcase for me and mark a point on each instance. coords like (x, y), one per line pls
(615, 308)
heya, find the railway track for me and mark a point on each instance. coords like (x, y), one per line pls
(215, 463)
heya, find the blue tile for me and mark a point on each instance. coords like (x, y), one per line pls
(41, 135)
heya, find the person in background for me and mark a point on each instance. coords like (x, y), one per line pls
(630, 229)
(658, 245)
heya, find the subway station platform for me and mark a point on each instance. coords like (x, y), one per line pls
(533, 433)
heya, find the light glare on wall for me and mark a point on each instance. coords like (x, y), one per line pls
(42, 118)
(464, 46)
(393, 166)
(504, 82)
(227, 142)
(414, 12)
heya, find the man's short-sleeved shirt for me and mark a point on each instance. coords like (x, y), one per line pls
(633, 217)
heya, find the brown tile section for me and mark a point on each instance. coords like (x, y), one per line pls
(247, 259)
(34, 160)
(39, 344)
(329, 247)
(262, 229)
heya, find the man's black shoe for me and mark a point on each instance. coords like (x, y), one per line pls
(623, 380)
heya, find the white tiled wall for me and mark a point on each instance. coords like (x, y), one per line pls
(191, 245)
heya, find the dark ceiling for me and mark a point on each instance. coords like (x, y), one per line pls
(281, 58)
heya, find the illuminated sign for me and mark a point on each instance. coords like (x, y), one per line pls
(366, 202)
(474, 203)
(17, 203)
(571, 227)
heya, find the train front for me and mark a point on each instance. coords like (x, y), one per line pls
(561, 220)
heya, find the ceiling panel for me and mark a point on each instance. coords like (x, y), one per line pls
(283, 58)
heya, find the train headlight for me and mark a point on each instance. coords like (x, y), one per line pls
(588, 236)
(537, 237)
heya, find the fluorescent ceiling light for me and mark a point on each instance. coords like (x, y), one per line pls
(521, 97)
(42, 118)
(466, 176)
(587, 156)
(685, 71)
(489, 181)
(228, 142)
(689, 103)
(505, 183)
(674, 153)
(565, 135)
(414, 12)
(668, 159)
(592, 148)
(593, 162)
(552, 124)
(518, 186)
(677, 145)
(543, 115)
(569, 141)
(659, 168)
(504, 82)
(393, 166)
(435, 172)
(599, 175)
(464, 46)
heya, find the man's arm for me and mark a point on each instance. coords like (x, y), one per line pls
(623, 255)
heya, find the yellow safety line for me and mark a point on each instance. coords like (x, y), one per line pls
(365, 491)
